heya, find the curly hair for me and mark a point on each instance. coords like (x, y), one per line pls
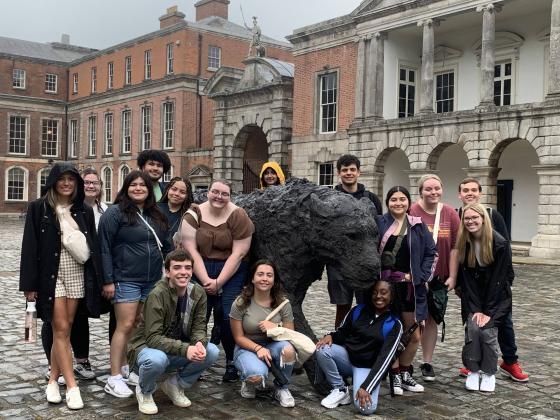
(157, 155)
(276, 293)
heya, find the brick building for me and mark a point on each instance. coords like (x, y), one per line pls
(101, 108)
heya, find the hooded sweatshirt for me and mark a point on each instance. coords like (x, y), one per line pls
(276, 168)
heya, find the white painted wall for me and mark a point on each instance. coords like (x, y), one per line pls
(450, 168)
(516, 162)
(395, 173)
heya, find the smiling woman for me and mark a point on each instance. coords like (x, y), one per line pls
(176, 200)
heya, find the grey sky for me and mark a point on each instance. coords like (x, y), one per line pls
(102, 23)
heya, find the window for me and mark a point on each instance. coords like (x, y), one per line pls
(18, 135)
(328, 102)
(73, 139)
(126, 130)
(407, 92)
(49, 138)
(42, 177)
(18, 79)
(502, 83)
(146, 127)
(75, 83)
(108, 134)
(445, 92)
(110, 73)
(92, 135)
(167, 177)
(326, 174)
(128, 70)
(169, 58)
(107, 184)
(214, 57)
(93, 79)
(168, 124)
(123, 173)
(51, 82)
(15, 184)
(148, 64)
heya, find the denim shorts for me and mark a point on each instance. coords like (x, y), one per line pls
(132, 291)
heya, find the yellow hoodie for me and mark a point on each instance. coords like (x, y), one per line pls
(276, 168)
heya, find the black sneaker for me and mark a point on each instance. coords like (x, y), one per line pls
(231, 374)
(428, 372)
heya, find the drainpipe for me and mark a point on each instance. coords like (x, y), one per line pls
(198, 96)
(66, 112)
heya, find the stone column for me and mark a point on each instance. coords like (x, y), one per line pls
(488, 179)
(554, 59)
(375, 76)
(487, 54)
(546, 244)
(360, 79)
(427, 92)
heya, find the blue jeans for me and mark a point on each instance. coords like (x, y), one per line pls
(230, 291)
(335, 364)
(506, 340)
(248, 364)
(152, 363)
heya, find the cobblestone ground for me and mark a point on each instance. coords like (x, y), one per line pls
(536, 297)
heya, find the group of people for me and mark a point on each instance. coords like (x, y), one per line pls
(81, 259)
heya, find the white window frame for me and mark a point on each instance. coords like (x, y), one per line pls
(110, 75)
(320, 77)
(167, 177)
(444, 70)
(122, 176)
(108, 125)
(128, 70)
(214, 57)
(45, 142)
(126, 131)
(46, 169)
(93, 79)
(25, 134)
(73, 138)
(169, 58)
(146, 127)
(320, 173)
(502, 78)
(92, 136)
(75, 80)
(49, 83)
(18, 79)
(25, 184)
(148, 65)
(408, 67)
(168, 126)
(107, 189)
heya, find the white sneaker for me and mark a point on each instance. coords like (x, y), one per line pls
(132, 379)
(175, 393)
(115, 386)
(146, 404)
(61, 381)
(409, 383)
(53, 393)
(336, 397)
(473, 381)
(284, 397)
(248, 390)
(74, 399)
(488, 383)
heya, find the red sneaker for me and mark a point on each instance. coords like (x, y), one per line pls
(514, 371)
(464, 372)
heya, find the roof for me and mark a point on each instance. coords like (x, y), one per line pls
(285, 69)
(54, 51)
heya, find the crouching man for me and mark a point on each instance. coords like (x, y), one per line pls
(171, 336)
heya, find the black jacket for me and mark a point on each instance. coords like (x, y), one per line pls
(366, 343)
(495, 299)
(362, 192)
(41, 245)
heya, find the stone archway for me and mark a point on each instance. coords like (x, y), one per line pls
(252, 140)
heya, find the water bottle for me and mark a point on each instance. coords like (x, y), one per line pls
(30, 322)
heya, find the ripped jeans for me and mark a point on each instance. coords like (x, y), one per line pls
(248, 364)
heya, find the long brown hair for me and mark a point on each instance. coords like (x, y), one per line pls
(277, 293)
(465, 237)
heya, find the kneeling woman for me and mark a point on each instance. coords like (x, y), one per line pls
(486, 274)
(362, 347)
(254, 353)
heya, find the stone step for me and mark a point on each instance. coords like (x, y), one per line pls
(520, 249)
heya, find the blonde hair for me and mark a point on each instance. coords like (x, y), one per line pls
(424, 178)
(465, 237)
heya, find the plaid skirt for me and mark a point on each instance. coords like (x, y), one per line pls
(70, 281)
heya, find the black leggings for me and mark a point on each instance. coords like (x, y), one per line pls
(79, 337)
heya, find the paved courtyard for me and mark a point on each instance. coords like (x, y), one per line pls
(536, 297)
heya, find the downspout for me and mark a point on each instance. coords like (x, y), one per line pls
(198, 95)
(66, 113)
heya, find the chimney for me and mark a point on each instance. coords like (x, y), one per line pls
(171, 17)
(65, 39)
(207, 8)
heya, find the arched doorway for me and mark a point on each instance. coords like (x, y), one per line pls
(255, 152)
(451, 168)
(395, 168)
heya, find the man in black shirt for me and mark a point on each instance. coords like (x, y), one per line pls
(470, 191)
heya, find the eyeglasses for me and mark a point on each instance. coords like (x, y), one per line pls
(471, 219)
(220, 193)
(91, 182)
